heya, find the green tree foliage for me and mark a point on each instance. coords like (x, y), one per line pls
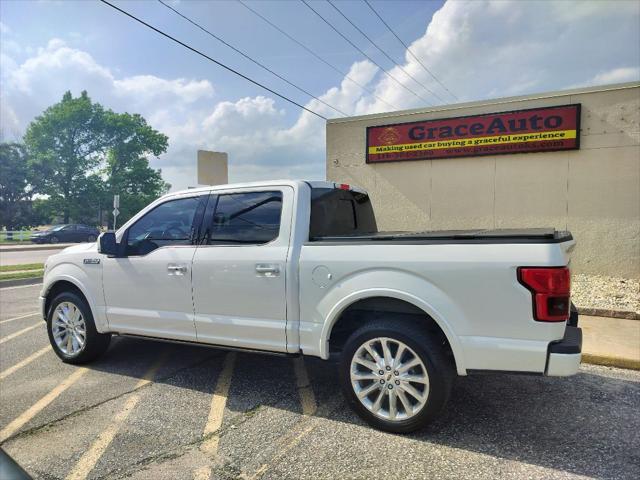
(81, 154)
(15, 197)
(65, 144)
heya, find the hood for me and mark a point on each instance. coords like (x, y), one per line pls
(81, 247)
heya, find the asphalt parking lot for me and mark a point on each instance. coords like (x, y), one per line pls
(150, 410)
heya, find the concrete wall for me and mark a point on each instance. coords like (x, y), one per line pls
(594, 192)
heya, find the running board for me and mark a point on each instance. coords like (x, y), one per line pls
(208, 345)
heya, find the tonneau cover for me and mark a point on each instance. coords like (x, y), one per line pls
(524, 235)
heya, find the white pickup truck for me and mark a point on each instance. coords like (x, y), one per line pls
(299, 267)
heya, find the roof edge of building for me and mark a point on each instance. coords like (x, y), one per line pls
(494, 101)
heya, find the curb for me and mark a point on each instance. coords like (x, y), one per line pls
(603, 312)
(620, 362)
(35, 248)
(20, 281)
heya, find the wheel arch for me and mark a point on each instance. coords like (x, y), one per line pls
(394, 301)
(65, 280)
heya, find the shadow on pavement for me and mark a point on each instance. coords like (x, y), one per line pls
(586, 425)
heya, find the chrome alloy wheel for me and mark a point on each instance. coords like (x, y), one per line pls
(69, 329)
(389, 379)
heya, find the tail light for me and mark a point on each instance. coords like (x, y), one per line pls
(551, 290)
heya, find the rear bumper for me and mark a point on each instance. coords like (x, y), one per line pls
(563, 357)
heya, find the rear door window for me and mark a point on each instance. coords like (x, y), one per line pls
(245, 218)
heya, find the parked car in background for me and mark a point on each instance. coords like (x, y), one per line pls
(66, 233)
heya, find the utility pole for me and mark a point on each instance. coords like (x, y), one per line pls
(116, 204)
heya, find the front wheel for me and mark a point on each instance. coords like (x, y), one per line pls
(54, 239)
(91, 238)
(72, 331)
(395, 375)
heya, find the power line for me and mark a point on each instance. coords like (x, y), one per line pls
(367, 56)
(385, 53)
(409, 50)
(333, 67)
(249, 57)
(133, 17)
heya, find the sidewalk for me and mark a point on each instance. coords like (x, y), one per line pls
(26, 247)
(610, 341)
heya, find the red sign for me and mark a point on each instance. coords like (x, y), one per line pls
(534, 130)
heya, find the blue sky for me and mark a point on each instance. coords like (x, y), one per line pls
(478, 49)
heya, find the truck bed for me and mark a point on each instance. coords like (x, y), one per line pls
(492, 236)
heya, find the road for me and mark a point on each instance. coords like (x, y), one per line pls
(165, 411)
(26, 256)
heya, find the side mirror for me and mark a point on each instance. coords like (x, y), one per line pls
(107, 244)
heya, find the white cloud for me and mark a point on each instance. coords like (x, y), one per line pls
(149, 86)
(617, 75)
(478, 49)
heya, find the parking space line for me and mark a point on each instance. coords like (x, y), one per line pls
(26, 361)
(18, 318)
(286, 448)
(90, 458)
(15, 425)
(20, 332)
(307, 398)
(218, 402)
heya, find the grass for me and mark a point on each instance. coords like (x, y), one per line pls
(19, 275)
(24, 266)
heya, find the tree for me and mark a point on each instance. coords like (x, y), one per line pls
(15, 193)
(65, 144)
(83, 153)
(130, 139)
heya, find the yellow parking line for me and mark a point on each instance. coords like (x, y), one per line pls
(90, 458)
(218, 402)
(18, 318)
(40, 404)
(26, 361)
(307, 399)
(20, 332)
(282, 451)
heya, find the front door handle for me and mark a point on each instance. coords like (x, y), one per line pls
(176, 269)
(267, 270)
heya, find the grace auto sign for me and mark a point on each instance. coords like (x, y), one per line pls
(534, 130)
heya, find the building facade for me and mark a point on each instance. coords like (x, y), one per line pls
(462, 167)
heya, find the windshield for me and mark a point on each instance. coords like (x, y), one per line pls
(55, 228)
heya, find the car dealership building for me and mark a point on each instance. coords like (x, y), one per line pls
(568, 159)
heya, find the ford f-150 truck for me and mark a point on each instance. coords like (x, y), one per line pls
(297, 267)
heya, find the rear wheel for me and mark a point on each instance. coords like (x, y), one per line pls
(72, 331)
(395, 375)
(91, 238)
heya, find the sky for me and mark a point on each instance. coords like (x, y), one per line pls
(467, 50)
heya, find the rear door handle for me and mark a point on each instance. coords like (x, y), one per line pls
(267, 270)
(176, 269)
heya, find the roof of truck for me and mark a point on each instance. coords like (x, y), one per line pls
(265, 183)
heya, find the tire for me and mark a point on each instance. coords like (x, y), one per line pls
(54, 239)
(91, 238)
(71, 350)
(433, 364)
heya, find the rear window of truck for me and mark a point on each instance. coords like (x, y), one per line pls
(336, 212)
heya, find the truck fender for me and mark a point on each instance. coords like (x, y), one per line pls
(437, 303)
(71, 273)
